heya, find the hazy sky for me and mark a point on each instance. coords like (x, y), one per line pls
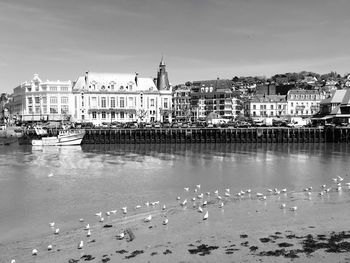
(200, 39)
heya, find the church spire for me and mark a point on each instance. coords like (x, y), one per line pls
(162, 77)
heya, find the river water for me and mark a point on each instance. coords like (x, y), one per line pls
(63, 184)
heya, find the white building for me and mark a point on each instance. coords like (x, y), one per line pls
(304, 102)
(42, 100)
(114, 97)
(266, 106)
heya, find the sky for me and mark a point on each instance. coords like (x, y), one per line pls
(199, 39)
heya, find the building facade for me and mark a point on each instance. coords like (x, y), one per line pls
(113, 97)
(38, 100)
(266, 106)
(181, 104)
(304, 103)
(213, 96)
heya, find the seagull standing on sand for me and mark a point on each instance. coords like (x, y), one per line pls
(13, 261)
(121, 235)
(52, 224)
(34, 252)
(81, 244)
(200, 210)
(186, 189)
(125, 211)
(49, 247)
(293, 208)
(98, 214)
(184, 202)
(88, 233)
(165, 221)
(57, 231)
(206, 215)
(148, 219)
(87, 227)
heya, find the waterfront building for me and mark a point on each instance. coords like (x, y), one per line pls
(181, 103)
(213, 96)
(38, 100)
(115, 97)
(304, 103)
(266, 106)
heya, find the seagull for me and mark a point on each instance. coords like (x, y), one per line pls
(196, 190)
(13, 261)
(50, 175)
(227, 190)
(138, 206)
(155, 203)
(81, 220)
(269, 190)
(259, 194)
(284, 190)
(121, 235)
(227, 194)
(98, 214)
(49, 247)
(283, 206)
(165, 221)
(323, 186)
(114, 211)
(102, 219)
(34, 252)
(193, 199)
(248, 191)
(200, 196)
(88, 233)
(178, 198)
(216, 192)
(164, 207)
(81, 244)
(321, 193)
(52, 224)
(348, 184)
(184, 202)
(147, 204)
(221, 205)
(200, 209)
(340, 178)
(205, 202)
(207, 193)
(219, 197)
(87, 227)
(186, 189)
(124, 210)
(206, 215)
(57, 231)
(198, 186)
(148, 219)
(108, 213)
(293, 208)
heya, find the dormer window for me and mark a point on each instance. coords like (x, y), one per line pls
(103, 87)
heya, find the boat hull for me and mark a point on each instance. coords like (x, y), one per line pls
(64, 139)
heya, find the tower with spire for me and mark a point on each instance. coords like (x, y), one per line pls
(162, 77)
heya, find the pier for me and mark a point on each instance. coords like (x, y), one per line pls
(209, 135)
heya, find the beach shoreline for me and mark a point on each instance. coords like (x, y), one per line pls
(245, 229)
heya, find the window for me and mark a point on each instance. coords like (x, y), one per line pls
(37, 100)
(103, 115)
(37, 109)
(271, 107)
(64, 100)
(30, 109)
(254, 113)
(130, 102)
(44, 110)
(112, 115)
(152, 103)
(29, 89)
(64, 109)
(64, 88)
(53, 109)
(131, 115)
(291, 104)
(36, 86)
(44, 100)
(94, 115)
(53, 88)
(94, 102)
(165, 103)
(254, 107)
(122, 115)
(112, 102)
(271, 113)
(121, 102)
(30, 100)
(43, 88)
(53, 100)
(103, 102)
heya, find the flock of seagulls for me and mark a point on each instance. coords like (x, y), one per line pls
(200, 202)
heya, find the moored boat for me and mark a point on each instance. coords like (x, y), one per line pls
(65, 137)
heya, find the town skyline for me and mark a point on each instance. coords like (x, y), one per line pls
(199, 40)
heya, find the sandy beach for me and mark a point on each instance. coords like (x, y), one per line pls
(245, 229)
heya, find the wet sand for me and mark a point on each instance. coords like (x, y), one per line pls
(246, 229)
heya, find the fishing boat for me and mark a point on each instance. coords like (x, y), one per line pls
(64, 137)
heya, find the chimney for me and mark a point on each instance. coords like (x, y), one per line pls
(86, 79)
(136, 78)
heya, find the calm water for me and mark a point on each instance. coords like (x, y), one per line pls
(89, 179)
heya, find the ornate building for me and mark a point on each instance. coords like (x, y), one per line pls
(266, 106)
(304, 102)
(114, 97)
(41, 100)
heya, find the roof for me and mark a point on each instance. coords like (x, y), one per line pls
(216, 85)
(338, 96)
(346, 98)
(119, 81)
(269, 98)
